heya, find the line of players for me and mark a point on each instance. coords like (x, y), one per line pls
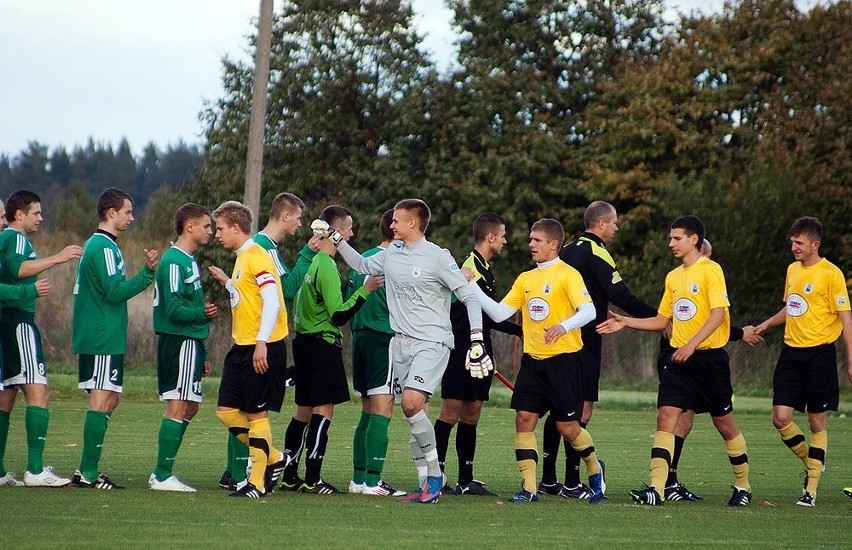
(559, 373)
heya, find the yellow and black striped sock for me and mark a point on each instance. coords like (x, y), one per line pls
(738, 457)
(816, 460)
(260, 445)
(526, 454)
(794, 439)
(661, 458)
(585, 447)
(236, 422)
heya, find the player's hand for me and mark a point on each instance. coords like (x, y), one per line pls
(70, 252)
(615, 323)
(205, 369)
(218, 274)
(554, 333)
(759, 329)
(42, 286)
(468, 273)
(750, 336)
(478, 363)
(258, 359)
(374, 282)
(681, 354)
(314, 243)
(152, 258)
(849, 364)
(323, 230)
(667, 332)
(211, 311)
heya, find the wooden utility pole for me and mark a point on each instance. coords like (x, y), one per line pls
(257, 120)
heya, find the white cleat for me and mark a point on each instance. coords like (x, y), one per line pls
(47, 478)
(356, 488)
(170, 484)
(10, 480)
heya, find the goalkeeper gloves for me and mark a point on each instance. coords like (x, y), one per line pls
(323, 230)
(478, 363)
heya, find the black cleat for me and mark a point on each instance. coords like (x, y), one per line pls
(474, 487)
(103, 482)
(550, 488)
(680, 492)
(291, 484)
(740, 497)
(273, 473)
(248, 491)
(580, 492)
(807, 499)
(648, 496)
(227, 482)
(320, 488)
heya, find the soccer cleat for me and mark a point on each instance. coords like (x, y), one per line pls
(432, 489)
(523, 496)
(356, 488)
(447, 490)
(474, 487)
(103, 482)
(679, 492)
(47, 478)
(291, 485)
(597, 483)
(11, 480)
(848, 492)
(171, 483)
(550, 488)
(740, 497)
(248, 491)
(806, 500)
(320, 488)
(413, 496)
(273, 473)
(580, 492)
(226, 481)
(382, 490)
(648, 496)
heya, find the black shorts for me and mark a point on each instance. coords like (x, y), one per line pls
(702, 384)
(244, 389)
(807, 377)
(320, 375)
(457, 382)
(591, 363)
(554, 384)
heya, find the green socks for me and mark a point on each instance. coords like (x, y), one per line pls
(168, 443)
(4, 436)
(238, 452)
(376, 447)
(359, 450)
(94, 430)
(35, 421)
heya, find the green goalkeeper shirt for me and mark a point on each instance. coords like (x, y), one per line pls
(320, 309)
(179, 297)
(15, 249)
(99, 325)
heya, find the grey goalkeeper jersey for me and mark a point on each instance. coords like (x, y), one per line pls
(419, 278)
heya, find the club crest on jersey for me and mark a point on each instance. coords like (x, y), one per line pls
(841, 301)
(398, 244)
(453, 267)
(538, 309)
(547, 288)
(796, 305)
(237, 274)
(415, 272)
(809, 288)
(694, 288)
(685, 309)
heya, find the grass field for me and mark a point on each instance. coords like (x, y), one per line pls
(622, 429)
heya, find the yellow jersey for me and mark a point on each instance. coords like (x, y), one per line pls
(691, 293)
(547, 296)
(254, 270)
(814, 295)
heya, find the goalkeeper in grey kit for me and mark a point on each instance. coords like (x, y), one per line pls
(419, 277)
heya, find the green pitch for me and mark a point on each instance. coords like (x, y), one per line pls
(139, 517)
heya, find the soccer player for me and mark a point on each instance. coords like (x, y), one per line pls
(318, 346)
(7, 398)
(815, 314)
(462, 395)
(253, 375)
(421, 276)
(554, 304)
(372, 379)
(697, 375)
(182, 323)
(588, 254)
(99, 327)
(23, 360)
(675, 490)
(285, 218)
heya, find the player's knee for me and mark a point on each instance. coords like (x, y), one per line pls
(780, 420)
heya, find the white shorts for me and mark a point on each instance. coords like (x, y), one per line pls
(418, 364)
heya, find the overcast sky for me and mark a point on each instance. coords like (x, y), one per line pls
(75, 69)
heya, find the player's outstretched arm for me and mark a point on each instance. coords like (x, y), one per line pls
(617, 322)
(28, 268)
(778, 319)
(498, 312)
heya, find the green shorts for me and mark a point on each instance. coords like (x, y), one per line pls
(180, 365)
(23, 359)
(371, 372)
(101, 372)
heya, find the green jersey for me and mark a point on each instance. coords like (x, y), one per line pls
(99, 325)
(290, 280)
(178, 297)
(320, 309)
(15, 249)
(373, 315)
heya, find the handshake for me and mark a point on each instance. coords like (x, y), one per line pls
(322, 230)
